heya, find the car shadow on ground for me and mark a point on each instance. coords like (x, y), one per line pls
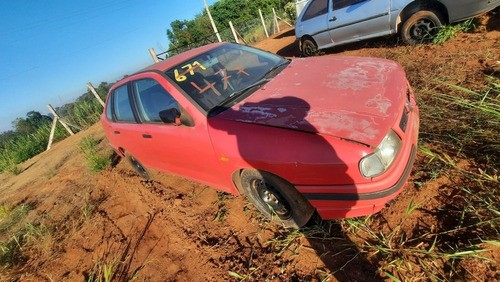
(341, 257)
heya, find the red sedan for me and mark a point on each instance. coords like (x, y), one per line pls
(333, 134)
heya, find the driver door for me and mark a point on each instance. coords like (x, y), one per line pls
(180, 149)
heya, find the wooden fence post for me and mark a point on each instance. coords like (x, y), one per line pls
(276, 20)
(234, 32)
(52, 131)
(263, 23)
(59, 119)
(92, 89)
(153, 55)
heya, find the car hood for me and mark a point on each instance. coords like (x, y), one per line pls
(352, 98)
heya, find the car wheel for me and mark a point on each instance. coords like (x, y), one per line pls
(421, 27)
(138, 167)
(276, 198)
(309, 47)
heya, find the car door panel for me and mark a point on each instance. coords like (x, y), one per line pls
(179, 149)
(364, 19)
(315, 20)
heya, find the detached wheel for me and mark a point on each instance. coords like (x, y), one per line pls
(138, 167)
(421, 27)
(309, 47)
(277, 199)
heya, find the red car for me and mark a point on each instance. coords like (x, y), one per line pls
(333, 134)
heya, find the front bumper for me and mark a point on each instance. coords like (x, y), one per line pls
(345, 201)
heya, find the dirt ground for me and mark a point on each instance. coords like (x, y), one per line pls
(172, 229)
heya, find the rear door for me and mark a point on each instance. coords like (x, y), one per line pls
(314, 22)
(353, 20)
(122, 122)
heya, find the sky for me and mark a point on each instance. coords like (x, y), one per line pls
(49, 50)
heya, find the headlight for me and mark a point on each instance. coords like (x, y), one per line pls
(377, 163)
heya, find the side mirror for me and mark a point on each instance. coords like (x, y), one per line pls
(171, 116)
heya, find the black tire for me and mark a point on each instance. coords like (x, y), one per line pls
(276, 199)
(309, 47)
(138, 167)
(421, 27)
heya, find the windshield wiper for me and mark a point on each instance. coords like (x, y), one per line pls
(237, 94)
(265, 78)
(285, 62)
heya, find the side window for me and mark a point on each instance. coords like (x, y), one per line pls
(109, 113)
(152, 98)
(123, 109)
(339, 4)
(316, 8)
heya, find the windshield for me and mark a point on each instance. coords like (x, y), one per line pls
(220, 75)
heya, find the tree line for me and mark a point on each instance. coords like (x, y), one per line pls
(29, 135)
(188, 32)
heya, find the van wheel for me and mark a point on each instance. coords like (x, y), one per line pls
(421, 27)
(276, 199)
(138, 167)
(309, 47)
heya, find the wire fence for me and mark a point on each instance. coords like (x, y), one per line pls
(248, 32)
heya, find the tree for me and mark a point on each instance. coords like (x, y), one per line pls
(31, 123)
(192, 33)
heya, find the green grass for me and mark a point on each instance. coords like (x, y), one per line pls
(450, 31)
(85, 113)
(24, 147)
(12, 236)
(222, 210)
(96, 161)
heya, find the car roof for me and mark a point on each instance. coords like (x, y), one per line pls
(179, 58)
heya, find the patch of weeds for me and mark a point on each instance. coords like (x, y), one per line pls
(222, 209)
(88, 207)
(462, 122)
(450, 31)
(96, 161)
(11, 216)
(14, 169)
(12, 252)
(287, 240)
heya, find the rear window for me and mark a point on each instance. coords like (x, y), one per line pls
(109, 112)
(316, 8)
(122, 107)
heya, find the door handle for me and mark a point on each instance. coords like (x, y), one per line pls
(116, 132)
(333, 19)
(147, 136)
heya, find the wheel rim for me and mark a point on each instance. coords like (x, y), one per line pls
(423, 29)
(271, 198)
(309, 49)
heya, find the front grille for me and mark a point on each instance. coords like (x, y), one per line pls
(404, 120)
